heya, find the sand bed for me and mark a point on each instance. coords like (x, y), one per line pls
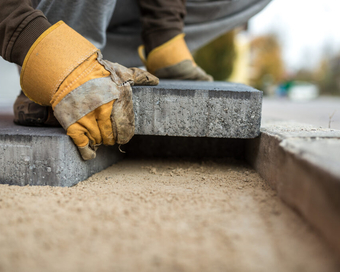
(158, 216)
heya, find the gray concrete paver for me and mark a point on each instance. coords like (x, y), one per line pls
(45, 156)
(198, 109)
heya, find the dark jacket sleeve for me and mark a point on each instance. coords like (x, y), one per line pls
(20, 26)
(161, 21)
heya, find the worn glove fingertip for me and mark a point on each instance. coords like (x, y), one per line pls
(86, 152)
(152, 80)
(141, 77)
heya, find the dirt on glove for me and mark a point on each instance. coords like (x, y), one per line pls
(143, 215)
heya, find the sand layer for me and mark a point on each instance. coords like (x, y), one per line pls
(158, 216)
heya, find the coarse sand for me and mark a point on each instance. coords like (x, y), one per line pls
(158, 215)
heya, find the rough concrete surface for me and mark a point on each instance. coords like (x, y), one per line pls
(45, 156)
(302, 163)
(198, 109)
(164, 215)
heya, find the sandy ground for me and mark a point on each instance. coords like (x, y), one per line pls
(158, 216)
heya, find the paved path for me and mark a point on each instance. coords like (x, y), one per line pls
(316, 112)
(9, 81)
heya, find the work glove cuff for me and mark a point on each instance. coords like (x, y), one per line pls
(54, 48)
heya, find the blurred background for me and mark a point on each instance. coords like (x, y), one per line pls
(290, 51)
(289, 43)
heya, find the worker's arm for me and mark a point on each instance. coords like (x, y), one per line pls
(20, 26)
(91, 97)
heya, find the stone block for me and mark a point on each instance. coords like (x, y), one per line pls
(198, 109)
(45, 156)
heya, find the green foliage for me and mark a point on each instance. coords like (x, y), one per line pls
(217, 57)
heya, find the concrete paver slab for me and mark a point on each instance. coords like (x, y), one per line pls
(198, 109)
(45, 156)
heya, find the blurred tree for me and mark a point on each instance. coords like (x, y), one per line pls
(328, 75)
(267, 66)
(321, 70)
(217, 57)
(306, 75)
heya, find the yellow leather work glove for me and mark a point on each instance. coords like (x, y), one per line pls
(173, 60)
(91, 97)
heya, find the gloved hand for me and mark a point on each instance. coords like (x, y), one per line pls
(173, 60)
(91, 97)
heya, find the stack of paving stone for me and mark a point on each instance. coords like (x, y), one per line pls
(46, 156)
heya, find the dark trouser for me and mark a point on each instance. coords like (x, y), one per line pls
(204, 21)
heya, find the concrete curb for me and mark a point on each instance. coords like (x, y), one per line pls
(302, 164)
